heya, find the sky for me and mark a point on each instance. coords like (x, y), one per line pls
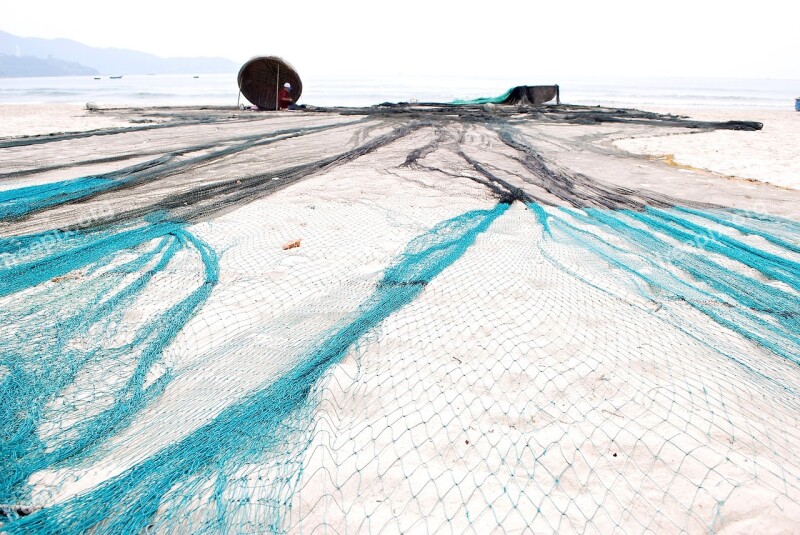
(643, 38)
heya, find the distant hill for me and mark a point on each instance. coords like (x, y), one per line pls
(29, 66)
(109, 60)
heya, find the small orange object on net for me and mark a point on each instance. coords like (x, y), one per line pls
(291, 244)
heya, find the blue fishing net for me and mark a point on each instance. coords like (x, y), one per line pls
(460, 343)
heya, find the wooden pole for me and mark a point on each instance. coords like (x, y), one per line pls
(277, 88)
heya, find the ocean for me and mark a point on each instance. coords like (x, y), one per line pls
(221, 89)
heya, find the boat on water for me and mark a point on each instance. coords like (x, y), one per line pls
(115, 77)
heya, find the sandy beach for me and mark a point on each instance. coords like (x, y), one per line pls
(766, 156)
(495, 320)
(41, 119)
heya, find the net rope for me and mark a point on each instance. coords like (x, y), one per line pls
(401, 322)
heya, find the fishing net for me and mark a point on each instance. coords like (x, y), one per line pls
(403, 321)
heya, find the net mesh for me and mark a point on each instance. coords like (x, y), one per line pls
(410, 321)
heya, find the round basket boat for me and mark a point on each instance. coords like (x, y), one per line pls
(261, 78)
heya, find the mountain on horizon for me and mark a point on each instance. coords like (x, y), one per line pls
(30, 66)
(104, 60)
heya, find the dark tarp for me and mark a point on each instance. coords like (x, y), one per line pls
(533, 94)
(522, 94)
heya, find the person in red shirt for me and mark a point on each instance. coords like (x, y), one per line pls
(285, 96)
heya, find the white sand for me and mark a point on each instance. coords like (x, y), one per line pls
(37, 119)
(770, 155)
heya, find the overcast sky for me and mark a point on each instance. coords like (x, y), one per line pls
(531, 38)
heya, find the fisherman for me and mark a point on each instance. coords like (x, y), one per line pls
(285, 96)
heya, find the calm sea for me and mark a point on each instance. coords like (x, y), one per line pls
(221, 89)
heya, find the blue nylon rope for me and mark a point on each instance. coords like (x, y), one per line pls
(40, 367)
(127, 503)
